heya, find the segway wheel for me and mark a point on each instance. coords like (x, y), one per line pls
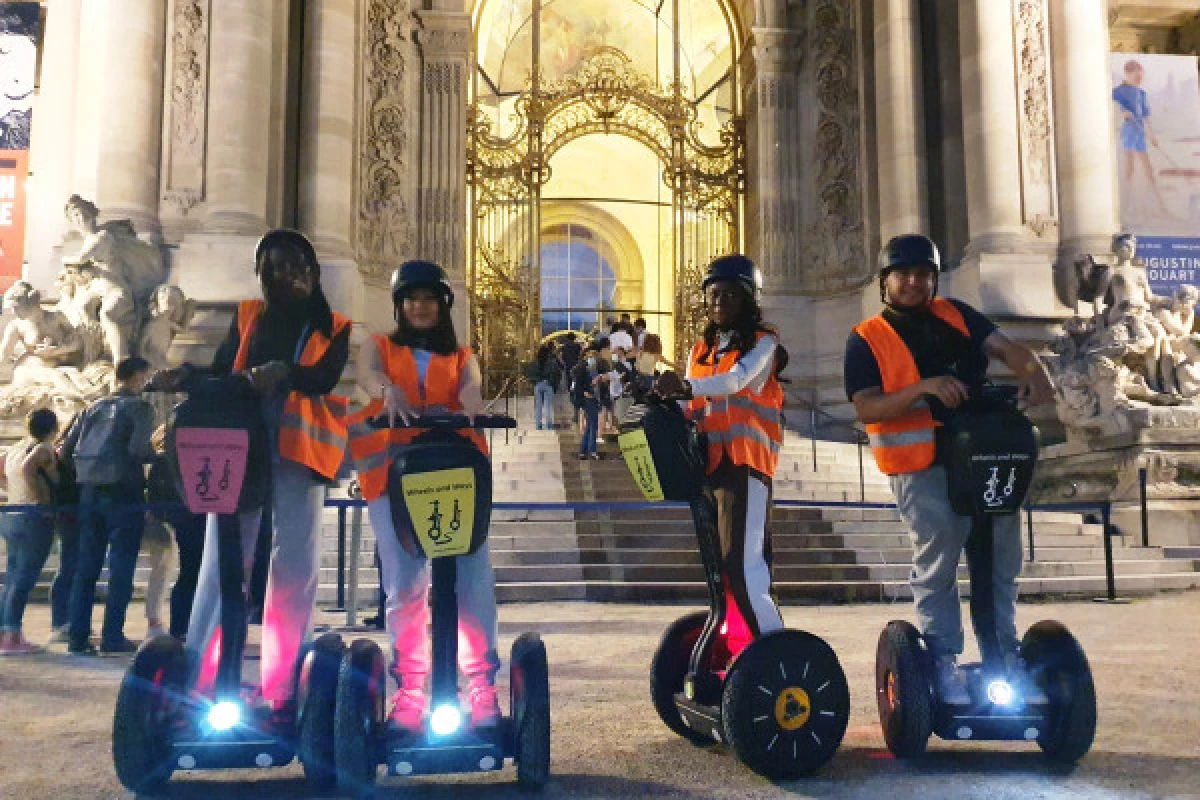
(529, 693)
(1058, 664)
(141, 742)
(316, 695)
(359, 717)
(669, 669)
(786, 704)
(903, 689)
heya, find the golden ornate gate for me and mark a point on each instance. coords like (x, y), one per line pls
(605, 94)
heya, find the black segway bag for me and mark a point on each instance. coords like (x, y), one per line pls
(989, 449)
(440, 487)
(218, 448)
(664, 454)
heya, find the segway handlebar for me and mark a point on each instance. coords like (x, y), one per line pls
(445, 422)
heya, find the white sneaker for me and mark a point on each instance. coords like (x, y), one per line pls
(951, 682)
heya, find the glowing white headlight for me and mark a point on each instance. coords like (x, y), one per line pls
(1000, 693)
(224, 715)
(445, 720)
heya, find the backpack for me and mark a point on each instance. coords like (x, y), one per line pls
(101, 455)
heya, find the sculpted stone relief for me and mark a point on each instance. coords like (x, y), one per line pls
(113, 302)
(1135, 350)
(385, 226)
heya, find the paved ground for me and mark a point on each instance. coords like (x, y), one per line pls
(56, 713)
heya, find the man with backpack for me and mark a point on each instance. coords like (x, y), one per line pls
(109, 444)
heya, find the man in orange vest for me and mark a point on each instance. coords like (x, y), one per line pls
(738, 406)
(292, 347)
(904, 368)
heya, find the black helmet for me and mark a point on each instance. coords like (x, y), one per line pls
(289, 238)
(420, 274)
(908, 250)
(736, 268)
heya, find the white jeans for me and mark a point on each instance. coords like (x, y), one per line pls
(406, 584)
(297, 500)
(160, 547)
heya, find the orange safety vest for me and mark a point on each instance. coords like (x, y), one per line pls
(746, 428)
(371, 448)
(906, 443)
(313, 429)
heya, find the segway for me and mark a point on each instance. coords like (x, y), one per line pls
(990, 449)
(217, 445)
(440, 487)
(781, 701)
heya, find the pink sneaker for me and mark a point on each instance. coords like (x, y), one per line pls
(485, 710)
(408, 710)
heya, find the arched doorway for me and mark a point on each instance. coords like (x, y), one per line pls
(626, 108)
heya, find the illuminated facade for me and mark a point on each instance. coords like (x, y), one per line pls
(570, 159)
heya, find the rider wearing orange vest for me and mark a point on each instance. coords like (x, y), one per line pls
(420, 369)
(292, 347)
(737, 403)
(904, 368)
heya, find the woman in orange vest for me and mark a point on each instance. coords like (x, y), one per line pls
(293, 347)
(420, 369)
(737, 403)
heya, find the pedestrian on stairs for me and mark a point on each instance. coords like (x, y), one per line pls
(737, 403)
(421, 369)
(905, 369)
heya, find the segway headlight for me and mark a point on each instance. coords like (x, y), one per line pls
(224, 715)
(1000, 693)
(445, 720)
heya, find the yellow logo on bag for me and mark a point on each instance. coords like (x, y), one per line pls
(441, 506)
(636, 450)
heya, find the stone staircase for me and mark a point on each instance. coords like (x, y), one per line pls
(821, 554)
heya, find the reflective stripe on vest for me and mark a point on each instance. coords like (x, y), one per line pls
(906, 443)
(372, 448)
(312, 430)
(745, 428)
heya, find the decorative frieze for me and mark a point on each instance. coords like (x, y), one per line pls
(187, 106)
(1039, 203)
(385, 233)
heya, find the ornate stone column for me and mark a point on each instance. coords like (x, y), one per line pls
(1008, 140)
(444, 38)
(239, 116)
(991, 133)
(900, 126)
(132, 97)
(325, 185)
(53, 143)
(770, 75)
(1082, 111)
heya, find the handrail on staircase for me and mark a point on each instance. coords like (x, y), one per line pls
(859, 435)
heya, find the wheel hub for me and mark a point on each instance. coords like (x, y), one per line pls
(792, 708)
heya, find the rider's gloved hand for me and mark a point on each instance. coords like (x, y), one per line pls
(396, 405)
(669, 384)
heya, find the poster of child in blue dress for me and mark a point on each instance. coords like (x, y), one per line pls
(1156, 118)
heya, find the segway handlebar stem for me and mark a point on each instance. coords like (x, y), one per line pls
(444, 422)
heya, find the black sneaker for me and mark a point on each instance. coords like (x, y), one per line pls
(120, 647)
(82, 649)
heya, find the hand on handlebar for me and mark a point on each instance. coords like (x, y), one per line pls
(1035, 390)
(669, 384)
(948, 390)
(396, 406)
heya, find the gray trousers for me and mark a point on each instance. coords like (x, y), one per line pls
(406, 584)
(938, 537)
(297, 500)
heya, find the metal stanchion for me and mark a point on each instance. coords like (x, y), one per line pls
(812, 431)
(1029, 525)
(1109, 574)
(1145, 512)
(356, 515)
(341, 561)
(862, 476)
